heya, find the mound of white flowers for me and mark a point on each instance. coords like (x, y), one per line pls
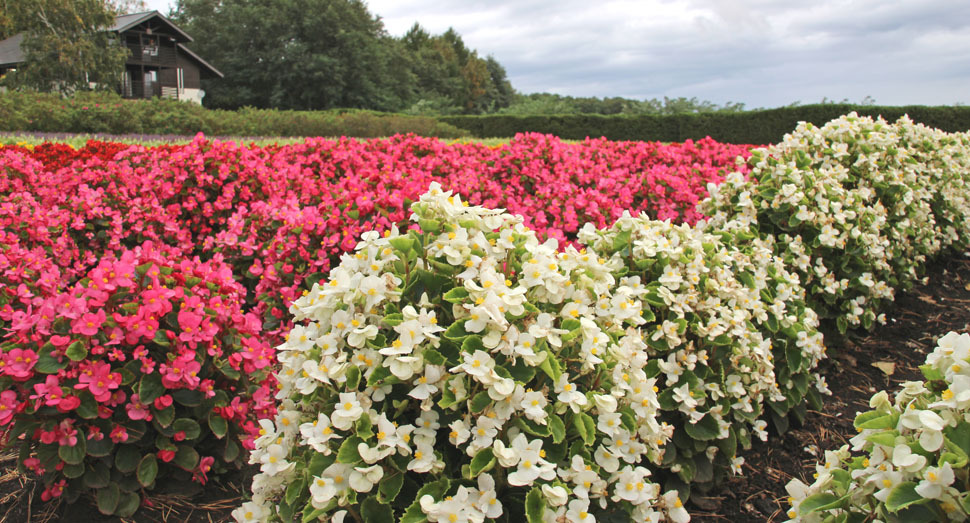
(909, 461)
(856, 207)
(470, 372)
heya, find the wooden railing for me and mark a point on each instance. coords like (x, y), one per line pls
(148, 90)
(151, 54)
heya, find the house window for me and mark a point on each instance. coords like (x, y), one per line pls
(180, 78)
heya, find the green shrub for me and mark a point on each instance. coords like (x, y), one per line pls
(110, 114)
(755, 127)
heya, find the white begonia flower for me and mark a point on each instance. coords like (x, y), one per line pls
(578, 512)
(928, 424)
(424, 457)
(455, 509)
(317, 433)
(533, 406)
(334, 480)
(935, 480)
(427, 424)
(425, 386)
(274, 462)
(500, 388)
(459, 432)
(487, 501)
(252, 512)
(675, 507)
(404, 367)
(632, 485)
(885, 481)
(606, 459)
(359, 336)
(605, 403)
(609, 423)
(363, 479)
(556, 496)
(531, 466)
(346, 411)
(479, 365)
(569, 394)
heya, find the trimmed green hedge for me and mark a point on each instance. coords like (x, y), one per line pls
(110, 114)
(757, 127)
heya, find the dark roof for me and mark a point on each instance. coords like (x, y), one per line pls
(10, 52)
(126, 22)
(199, 59)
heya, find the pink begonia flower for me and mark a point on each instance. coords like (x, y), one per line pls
(138, 410)
(54, 491)
(166, 455)
(163, 402)
(98, 379)
(94, 433)
(89, 323)
(18, 363)
(8, 406)
(68, 403)
(66, 433)
(203, 468)
(119, 434)
(49, 392)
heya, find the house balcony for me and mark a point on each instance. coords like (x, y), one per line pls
(151, 55)
(148, 90)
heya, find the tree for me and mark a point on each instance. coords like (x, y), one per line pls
(66, 45)
(296, 54)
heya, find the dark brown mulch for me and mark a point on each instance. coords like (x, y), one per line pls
(917, 320)
(919, 317)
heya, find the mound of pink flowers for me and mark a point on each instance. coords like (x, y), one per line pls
(142, 289)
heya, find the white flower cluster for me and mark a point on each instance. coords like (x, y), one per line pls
(732, 333)
(909, 461)
(473, 354)
(855, 206)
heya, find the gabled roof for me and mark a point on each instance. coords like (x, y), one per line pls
(199, 59)
(126, 22)
(10, 52)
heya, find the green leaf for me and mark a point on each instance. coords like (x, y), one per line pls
(150, 387)
(535, 506)
(435, 489)
(886, 421)
(348, 452)
(455, 332)
(550, 366)
(704, 430)
(902, 496)
(585, 426)
(456, 295)
(557, 428)
(127, 458)
(480, 401)
(429, 225)
(294, 490)
(75, 454)
(531, 427)
(189, 426)
(402, 243)
(930, 372)
(483, 461)
(373, 511)
(128, 504)
(97, 476)
(186, 457)
(886, 439)
(218, 425)
(147, 470)
(472, 343)
(389, 487)
(353, 378)
(108, 498)
(166, 416)
(48, 364)
(77, 351)
(818, 502)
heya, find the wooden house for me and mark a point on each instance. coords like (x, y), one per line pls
(158, 65)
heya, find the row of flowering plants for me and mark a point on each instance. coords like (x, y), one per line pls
(909, 461)
(145, 370)
(142, 289)
(470, 371)
(856, 207)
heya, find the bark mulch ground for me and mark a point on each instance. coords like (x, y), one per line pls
(918, 318)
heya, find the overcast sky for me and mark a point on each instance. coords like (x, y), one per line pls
(763, 53)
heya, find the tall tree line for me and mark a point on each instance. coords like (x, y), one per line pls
(323, 54)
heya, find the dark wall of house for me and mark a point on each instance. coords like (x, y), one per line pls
(190, 72)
